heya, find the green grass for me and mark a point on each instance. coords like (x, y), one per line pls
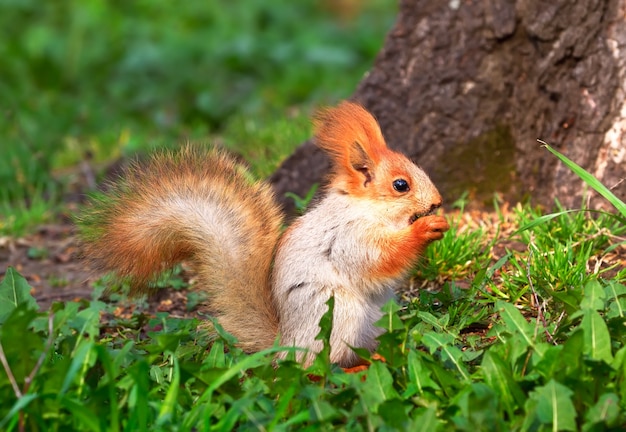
(21, 215)
(517, 322)
(265, 142)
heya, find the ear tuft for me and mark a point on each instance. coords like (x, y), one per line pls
(350, 135)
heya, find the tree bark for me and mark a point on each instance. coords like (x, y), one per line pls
(466, 87)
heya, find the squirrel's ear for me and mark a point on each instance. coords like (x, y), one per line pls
(352, 138)
(361, 162)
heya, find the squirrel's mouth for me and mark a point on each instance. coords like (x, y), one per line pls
(416, 216)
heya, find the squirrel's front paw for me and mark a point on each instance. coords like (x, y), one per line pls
(431, 227)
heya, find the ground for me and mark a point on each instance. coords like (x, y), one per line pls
(50, 260)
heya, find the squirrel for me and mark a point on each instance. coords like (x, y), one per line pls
(357, 243)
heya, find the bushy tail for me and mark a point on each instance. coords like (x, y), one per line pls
(201, 207)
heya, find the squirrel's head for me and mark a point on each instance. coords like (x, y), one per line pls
(364, 167)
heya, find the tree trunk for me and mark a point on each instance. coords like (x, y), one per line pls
(466, 88)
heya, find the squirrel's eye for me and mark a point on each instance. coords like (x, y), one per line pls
(401, 185)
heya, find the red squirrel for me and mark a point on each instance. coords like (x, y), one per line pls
(357, 243)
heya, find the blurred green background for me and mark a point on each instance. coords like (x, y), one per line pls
(93, 80)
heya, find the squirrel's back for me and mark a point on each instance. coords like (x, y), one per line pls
(202, 207)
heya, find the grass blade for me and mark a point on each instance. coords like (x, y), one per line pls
(17, 407)
(168, 409)
(589, 179)
(541, 219)
(80, 362)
